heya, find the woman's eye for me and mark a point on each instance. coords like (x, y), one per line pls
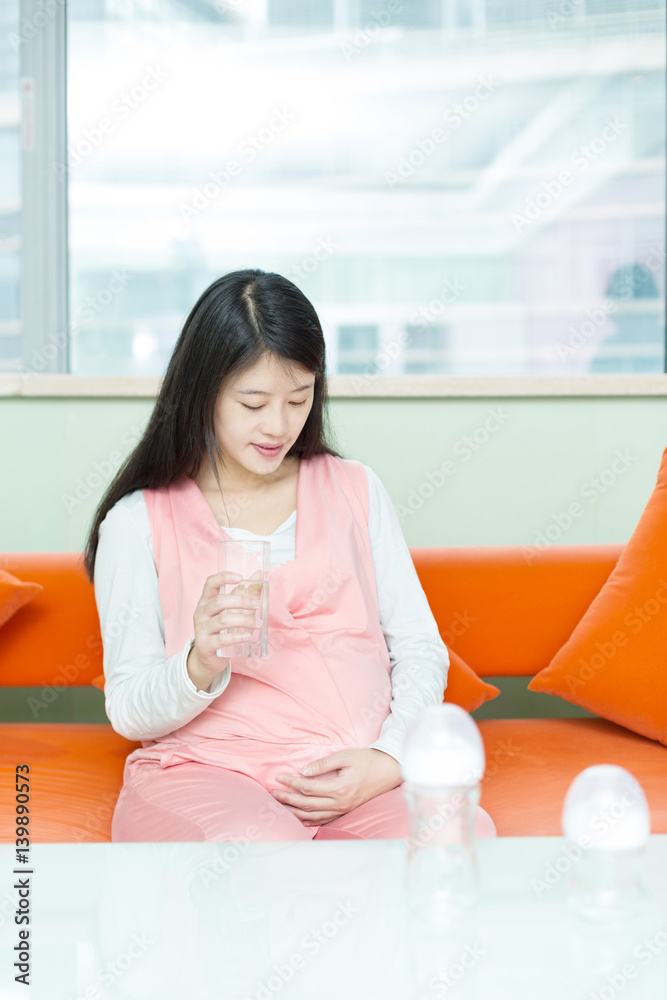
(302, 403)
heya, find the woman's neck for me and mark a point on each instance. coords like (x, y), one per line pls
(254, 482)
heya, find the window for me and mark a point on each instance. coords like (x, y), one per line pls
(10, 189)
(428, 350)
(357, 348)
(489, 170)
(304, 13)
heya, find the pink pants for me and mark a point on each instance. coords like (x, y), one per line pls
(191, 801)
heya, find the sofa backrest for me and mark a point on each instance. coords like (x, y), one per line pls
(506, 610)
(55, 639)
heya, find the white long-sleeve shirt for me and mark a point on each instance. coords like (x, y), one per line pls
(148, 695)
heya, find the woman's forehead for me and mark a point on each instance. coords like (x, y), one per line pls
(272, 374)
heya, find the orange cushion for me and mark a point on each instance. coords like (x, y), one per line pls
(613, 664)
(14, 593)
(530, 764)
(464, 687)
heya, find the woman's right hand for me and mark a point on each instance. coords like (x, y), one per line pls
(214, 613)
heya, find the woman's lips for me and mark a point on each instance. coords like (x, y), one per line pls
(268, 451)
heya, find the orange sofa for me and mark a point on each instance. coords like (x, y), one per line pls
(506, 612)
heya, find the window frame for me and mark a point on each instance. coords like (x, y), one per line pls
(27, 385)
(44, 250)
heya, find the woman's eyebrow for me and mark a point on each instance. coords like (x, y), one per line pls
(260, 392)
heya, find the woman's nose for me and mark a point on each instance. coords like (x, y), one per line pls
(274, 423)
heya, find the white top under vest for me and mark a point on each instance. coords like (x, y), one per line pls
(126, 592)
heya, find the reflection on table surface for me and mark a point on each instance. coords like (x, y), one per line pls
(306, 920)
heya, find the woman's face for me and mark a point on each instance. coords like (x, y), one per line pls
(265, 405)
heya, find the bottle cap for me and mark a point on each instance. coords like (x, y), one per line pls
(443, 748)
(605, 808)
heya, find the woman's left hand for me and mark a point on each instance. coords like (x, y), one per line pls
(361, 775)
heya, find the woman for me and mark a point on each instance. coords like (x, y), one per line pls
(304, 743)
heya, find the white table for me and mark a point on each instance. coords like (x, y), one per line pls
(299, 921)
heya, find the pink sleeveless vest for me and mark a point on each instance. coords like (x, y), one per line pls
(325, 684)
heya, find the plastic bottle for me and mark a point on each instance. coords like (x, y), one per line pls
(606, 816)
(612, 910)
(443, 762)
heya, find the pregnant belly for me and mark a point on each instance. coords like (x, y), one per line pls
(296, 701)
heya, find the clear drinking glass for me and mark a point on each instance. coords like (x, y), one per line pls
(251, 560)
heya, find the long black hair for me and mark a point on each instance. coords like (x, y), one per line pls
(237, 321)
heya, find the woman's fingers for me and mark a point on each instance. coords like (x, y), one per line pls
(308, 803)
(227, 611)
(222, 621)
(314, 819)
(230, 602)
(217, 580)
